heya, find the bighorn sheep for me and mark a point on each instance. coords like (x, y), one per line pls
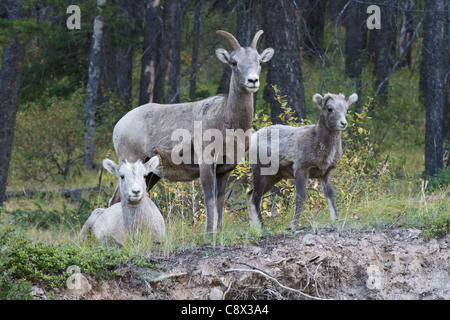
(305, 152)
(148, 130)
(136, 212)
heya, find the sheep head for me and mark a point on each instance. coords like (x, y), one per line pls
(245, 62)
(333, 109)
(132, 177)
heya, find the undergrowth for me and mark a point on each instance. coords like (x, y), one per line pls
(24, 262)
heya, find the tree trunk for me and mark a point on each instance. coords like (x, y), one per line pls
(194, 66)
(383, 48)
(124, 56)
(406, 32)
(314, 23)
(355, 38)
(152, 30)
(446, 121)
(355, 44)
(432, 58)
(285, 69)
(164, 43)
(108, 85)
(10, 82)
(176, 13)
(95, 60)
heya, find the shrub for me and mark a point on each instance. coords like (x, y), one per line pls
(22, 259)
(48, 139)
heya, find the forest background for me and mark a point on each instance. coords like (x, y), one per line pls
(64, 86)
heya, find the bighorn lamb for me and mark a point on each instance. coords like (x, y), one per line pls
(147, 130)
(305, 152)
(136, 213)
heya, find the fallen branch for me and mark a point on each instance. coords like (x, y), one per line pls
(65, 192)
(265, 274)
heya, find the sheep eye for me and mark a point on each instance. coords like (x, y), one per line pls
(234, 63)
(122, 177)
(330, 109)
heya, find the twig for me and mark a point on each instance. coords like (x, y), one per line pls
(265, 274)
(228, 290)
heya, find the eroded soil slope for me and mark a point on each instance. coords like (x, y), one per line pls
(358, 264)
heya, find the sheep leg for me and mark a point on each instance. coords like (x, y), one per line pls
(329, 194)
(221, 188)
(254, 197)
(261, 185)
(300, 188)
(208, 180)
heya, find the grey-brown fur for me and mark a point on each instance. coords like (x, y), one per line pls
(136, 213)
(146, 131)
(305, 152)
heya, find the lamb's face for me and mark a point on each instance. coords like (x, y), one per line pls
(246, 65)
(333, 109)
(132, 181)
(132, 177)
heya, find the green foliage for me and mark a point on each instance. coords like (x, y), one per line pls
(44, 218)
(23, 29)
(48, 139)
(432, 218)
(440, 180)
(31, 262)
(10, 287)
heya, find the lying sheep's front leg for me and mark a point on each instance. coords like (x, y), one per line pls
(301, 179)
(329, 194)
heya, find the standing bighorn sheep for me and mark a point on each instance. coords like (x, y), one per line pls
(148, 130)
(135, 214)
(305, 152)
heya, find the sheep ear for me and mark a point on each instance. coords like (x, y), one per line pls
(151, 164)
(352, 99)
(317, 98)
(223, 56)
(267, 54)
(110, 166)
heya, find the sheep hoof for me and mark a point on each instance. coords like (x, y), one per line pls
(296, 229)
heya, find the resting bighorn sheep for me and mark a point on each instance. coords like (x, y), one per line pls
(305, 152)
(148, 130)
(136, 212)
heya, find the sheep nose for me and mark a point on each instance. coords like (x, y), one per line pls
(344, 123)
(253, 80)
(136, 191)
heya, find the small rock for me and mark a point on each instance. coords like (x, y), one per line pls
(78, 285)
(309, 243)
(36, 291)
(216, 294)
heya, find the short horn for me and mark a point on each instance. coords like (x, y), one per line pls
(256, 38)
(234, 43)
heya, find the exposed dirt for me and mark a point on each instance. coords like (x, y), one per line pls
(357, 264)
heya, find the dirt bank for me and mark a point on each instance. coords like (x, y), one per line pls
(329, 264)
